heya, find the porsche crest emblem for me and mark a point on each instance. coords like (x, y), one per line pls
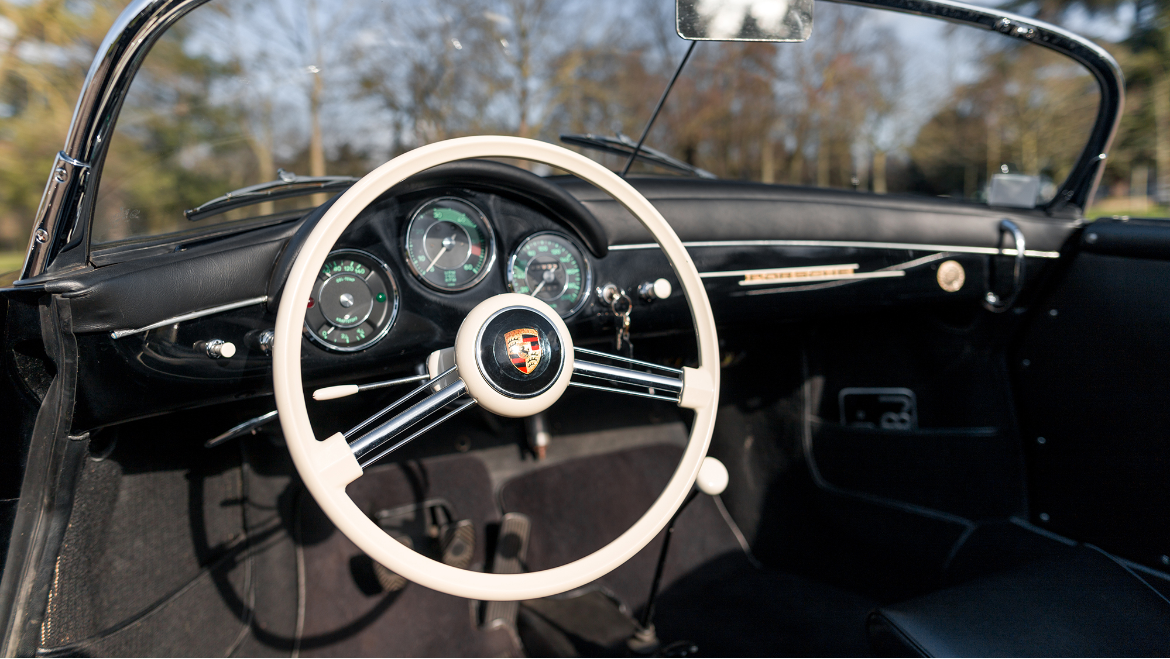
(523, 346)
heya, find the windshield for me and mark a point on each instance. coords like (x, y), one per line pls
(875, 101)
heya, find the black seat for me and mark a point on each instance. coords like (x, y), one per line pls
(1077, 601)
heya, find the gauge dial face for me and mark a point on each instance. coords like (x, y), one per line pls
(552, 268)
(449, 244)
(354, 301)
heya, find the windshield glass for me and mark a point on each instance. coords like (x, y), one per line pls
(875, 101)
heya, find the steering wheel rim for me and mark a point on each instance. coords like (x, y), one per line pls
(327, 467)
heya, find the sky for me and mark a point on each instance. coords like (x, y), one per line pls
(939, 55)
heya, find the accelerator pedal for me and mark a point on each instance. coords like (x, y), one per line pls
(510, 558)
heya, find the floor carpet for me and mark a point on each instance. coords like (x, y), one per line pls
(345, 616)
(712, 594)
(579, 506)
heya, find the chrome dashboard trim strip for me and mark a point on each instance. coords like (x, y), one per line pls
(117, 334)
(989, 251)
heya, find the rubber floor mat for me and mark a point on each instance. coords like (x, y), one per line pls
(348, 614)
(579, 506)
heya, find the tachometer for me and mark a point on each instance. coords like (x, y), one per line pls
(449, 244)
(354, 301)
(551, 267)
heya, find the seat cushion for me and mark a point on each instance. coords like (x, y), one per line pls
(1079, 603)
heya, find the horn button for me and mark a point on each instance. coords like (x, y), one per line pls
(520, 352)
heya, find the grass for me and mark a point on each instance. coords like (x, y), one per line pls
(10, 261)
(1152, 211)
(1115, 209)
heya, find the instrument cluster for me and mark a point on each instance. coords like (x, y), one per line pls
(449, 245)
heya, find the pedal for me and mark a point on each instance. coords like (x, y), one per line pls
(389, 580)
(510, 558)
(426, 528)
(458, 543)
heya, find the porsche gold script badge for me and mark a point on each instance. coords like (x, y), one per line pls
(523, 346)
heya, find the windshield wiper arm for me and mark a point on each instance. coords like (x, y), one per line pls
(288, 185)
(624, 146)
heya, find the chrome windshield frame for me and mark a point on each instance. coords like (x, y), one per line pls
(59, 241)
(60, 235)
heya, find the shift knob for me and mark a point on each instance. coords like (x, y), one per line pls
(712, 478)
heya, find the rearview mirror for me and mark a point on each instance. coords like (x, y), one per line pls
(744, 20)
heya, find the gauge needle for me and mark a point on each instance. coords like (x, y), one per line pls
(437, 257)
(447, 243)
(547, 277)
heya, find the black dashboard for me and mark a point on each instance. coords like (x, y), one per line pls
(408, 270)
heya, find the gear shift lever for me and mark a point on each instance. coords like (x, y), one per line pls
(712, 480)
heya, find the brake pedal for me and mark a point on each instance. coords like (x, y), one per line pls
(458, 543)
(510, 558)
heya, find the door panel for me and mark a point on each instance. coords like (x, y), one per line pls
(1092, 372)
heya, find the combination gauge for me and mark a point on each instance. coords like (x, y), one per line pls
(354, 301)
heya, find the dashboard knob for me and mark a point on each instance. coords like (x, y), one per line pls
(659, 289)
(265, 341)
(217, 349)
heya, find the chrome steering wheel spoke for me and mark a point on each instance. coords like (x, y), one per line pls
(632, 378)
(371, 446)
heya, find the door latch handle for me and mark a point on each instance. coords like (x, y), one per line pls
(992, 300)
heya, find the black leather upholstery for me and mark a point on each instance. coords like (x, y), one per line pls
(1074, 603)
(140, 292)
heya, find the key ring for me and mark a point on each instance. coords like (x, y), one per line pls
(618, 297)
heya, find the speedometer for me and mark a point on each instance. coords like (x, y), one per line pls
(354, 301)
(551, 267)
(449, 244)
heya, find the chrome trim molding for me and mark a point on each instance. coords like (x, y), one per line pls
(1081, 184)
(957, 249)
(118, 57)
(117, 334)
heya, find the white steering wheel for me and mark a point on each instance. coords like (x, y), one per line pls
(485, 374)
